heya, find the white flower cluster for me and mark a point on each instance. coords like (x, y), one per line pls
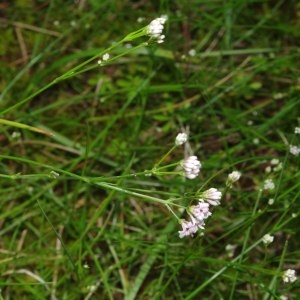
(191, 166)
(230, 249)
(181, 138)
(269, 184)
(155, 29)
(289, 276)
(295, 150)
(233, 177)
(275, 166)
(192, 52)
(267, 239)
(212, 196)
(105, 57)
(207, 199)
(53, 174)
(200, 212)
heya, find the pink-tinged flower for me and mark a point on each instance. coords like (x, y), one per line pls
(212, 196)
(191, 166)
(190, 227)
(200, 211)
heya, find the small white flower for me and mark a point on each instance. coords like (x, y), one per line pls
(278, 96)
(282, 297)
(297, 130)
(190, 227)
(271, 201)
(233, 177)
(15, 135)
(230, 249)
(192, 52)
(128, 45)
(212, 196)
(29, 189)
(274, 161)
(268, 169)
(269, 184)
(278, 167)
(140, 19)
(191, 166)
(53, 174)
(294, 150)
(267, 239)
(155, 29)
(92, 287)
(73, 23)
(289, 276)
(161, 39)
(256, 141)
(105, 57)
(99, 62)
(181, 138)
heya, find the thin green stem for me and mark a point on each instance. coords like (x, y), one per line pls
(104, 185)
(193, 294)
(109, 186)
(172, 212)
(246, 239)
(72, 72)
(27, 176)
(24, 126)
(163, 158)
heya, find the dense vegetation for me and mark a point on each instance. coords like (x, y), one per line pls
(92, 187)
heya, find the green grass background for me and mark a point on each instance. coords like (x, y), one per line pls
(73, 238)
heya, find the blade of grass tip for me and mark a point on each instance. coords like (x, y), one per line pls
(32, 62)
(78, 147)
(245, 242)
(272, 288)
(24, 126)
(60, 239)
(160, 245)
(197, 290)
